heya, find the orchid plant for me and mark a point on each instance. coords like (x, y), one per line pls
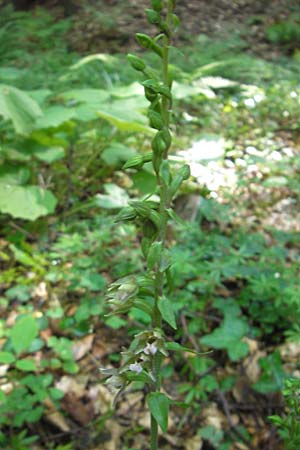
(150, 291)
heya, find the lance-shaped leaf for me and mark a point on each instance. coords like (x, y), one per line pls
(166, 309)
(154, 254)
(158, 404)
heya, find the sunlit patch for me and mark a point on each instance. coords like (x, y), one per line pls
(205, 158)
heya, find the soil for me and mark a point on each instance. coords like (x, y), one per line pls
(110, 25)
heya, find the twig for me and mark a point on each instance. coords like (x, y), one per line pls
(186, 331)
(22, 230)
(233, 428)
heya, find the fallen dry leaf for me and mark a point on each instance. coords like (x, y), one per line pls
(83, 346)
(252, 367)
(40, 291)
(53, 416)
(242, 391)
(211, 415)
(80, 409)
(101, 397)
(130, 400)
(194, 443)
(76, 401)
(3, 369)
(290, 351)
(11, 319)
(69, 384)
(252, 344)
(116, 431)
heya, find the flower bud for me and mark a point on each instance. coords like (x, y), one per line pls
(157, 5)
(159, 145)
(146, 42)
(156, 120)
(135, 161)
(126, 213)
(185, 172)
(153, 16)
(136, 63)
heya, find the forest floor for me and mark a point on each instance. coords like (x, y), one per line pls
(219, 18)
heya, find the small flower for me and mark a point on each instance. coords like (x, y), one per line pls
(150, 349)
(136, 367)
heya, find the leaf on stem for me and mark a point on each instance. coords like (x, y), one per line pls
(166, 309)
(158, 404)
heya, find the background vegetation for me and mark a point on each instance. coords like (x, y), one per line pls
(72, 112)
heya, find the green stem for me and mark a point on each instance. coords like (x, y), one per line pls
(154, 434)
(166, 78)
(159, 276)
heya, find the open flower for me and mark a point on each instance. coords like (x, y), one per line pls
(150, 349)
(136, 367)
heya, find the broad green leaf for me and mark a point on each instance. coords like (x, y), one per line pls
(36, 345)
(144, 181)
(115, 322)
(16, 154)
(92, 281)
(238, 351)
(166, 309)
(56, 394)
(158, 405)
(133, 90)
(91, 96)
(50, 154)
(46, 139)
(14, 175)
(26, 365)
(125, 115)
(115, 197)
(70, 366)
(7, 358)
(19, 291)
(117, 154)
(23, 333)
(34, 414)
(273, 374)
(54, 116)
(228, 336)
(39, 95)
(26, 202)
(85, 112)
(19, 107)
